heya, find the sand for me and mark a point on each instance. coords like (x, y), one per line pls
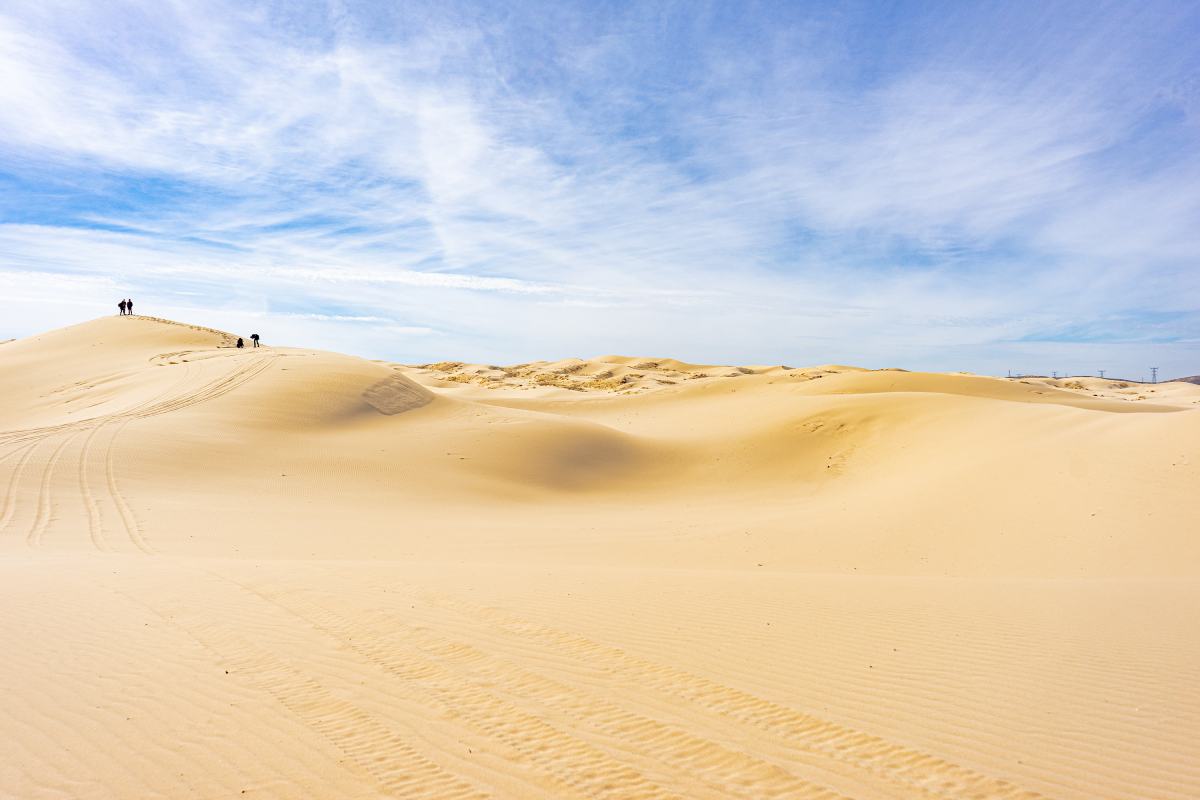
(279, 572)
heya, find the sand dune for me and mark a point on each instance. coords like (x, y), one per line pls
(279, 572)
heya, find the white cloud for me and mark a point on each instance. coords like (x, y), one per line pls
(427, 183)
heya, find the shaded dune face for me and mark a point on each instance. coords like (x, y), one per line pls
(569, 456)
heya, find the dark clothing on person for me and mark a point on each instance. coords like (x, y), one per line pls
(121, 305)
(129, 306)
(240, 343)
(254, 338)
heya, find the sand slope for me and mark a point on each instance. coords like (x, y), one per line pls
(292, 573)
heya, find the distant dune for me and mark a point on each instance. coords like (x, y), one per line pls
(295, 573)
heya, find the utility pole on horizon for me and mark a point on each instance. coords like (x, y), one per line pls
(1154, 374)
(1102, 374)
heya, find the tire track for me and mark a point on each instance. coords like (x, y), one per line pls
(729, 772)
(396, 767)
(10, 492)
(95, 517)
(133, 529)
(95, 520)
(912, 769)
(40, 434)
(45, 501)
(158, 405)
(576, 765)
(10, 454)
(155, 407)
(210, 391)
(1004, 643)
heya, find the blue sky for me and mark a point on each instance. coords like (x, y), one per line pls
(975, 186)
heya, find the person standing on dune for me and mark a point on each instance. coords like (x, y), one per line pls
(121, 305)
(129, 305)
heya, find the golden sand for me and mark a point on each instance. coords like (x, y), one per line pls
(278, 572)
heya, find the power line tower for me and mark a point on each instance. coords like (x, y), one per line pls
(1154, 374)
(1101, 374)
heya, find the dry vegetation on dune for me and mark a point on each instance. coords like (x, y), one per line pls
(280, 572)
(618, 374)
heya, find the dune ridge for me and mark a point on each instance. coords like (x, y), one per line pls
(281, 572)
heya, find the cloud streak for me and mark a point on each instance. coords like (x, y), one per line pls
(947, 187)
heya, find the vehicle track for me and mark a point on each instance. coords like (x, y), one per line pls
(459, 668)
(909, 768)
(11, 453)
(27, 441)
(95, 520)
(209, 391)
(133, 530)
(370, 743)
(576, 766)
(217, 388)
(10, 492)
(95, 517)
(45, 501)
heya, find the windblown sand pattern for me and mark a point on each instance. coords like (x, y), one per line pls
(277, 572)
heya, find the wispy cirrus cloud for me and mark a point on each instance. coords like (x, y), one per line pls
(951, 186)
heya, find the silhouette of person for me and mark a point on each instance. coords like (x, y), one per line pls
(129, 305)
(240, 343)
(121, 305)
(254, 338)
